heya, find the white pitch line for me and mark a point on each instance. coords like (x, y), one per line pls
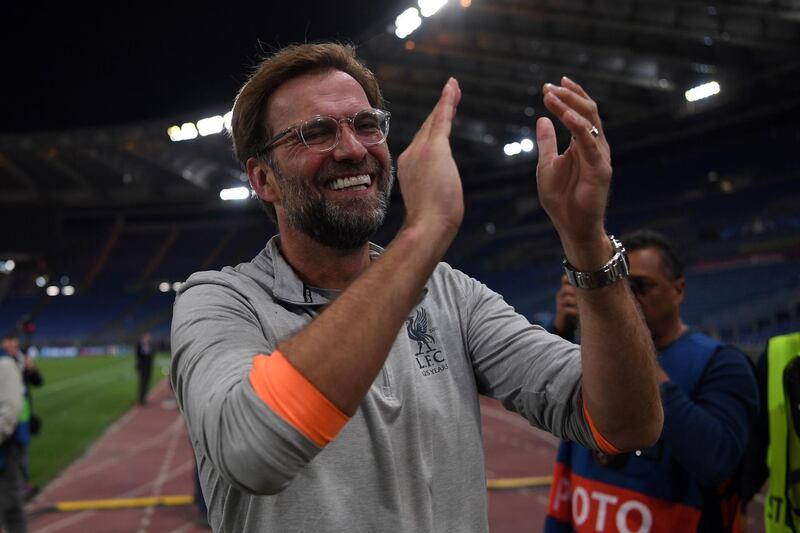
(80, 379)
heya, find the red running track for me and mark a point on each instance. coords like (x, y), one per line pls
(147, 453)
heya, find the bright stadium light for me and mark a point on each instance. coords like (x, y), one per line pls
(182, 133)
(702, 91)
(210, 125)
(234, 193)
(52, 290)
(526, 145)
(163, 286)
(176, 286)
(67, 290)
(428, 8)
(188, 131)
(512, 149)
(41, 281)
(406, 22)
(226, 118)
(174, 133)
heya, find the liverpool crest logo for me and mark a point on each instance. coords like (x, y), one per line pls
(430, 358)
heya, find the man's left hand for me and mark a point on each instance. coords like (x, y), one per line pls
(573, 187)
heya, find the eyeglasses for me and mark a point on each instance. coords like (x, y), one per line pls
(640, 287)
(322, 133)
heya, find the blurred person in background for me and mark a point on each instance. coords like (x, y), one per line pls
(145, 352)
(31, 377)
(774, 450)
(565, 322)
(688, 481)
(331, 385)
(14, 438)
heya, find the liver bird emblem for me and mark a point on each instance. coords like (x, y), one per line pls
(418, 330)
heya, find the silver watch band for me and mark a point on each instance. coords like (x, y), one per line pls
(616, 269)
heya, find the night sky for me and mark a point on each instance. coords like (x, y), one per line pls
(74, 68)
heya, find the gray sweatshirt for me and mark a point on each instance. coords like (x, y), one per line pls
(411, 458)
(10, 396)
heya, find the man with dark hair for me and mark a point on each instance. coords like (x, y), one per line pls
(708, 390)
(145, 351)
(331, 385)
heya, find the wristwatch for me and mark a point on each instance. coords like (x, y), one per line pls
(616, 269)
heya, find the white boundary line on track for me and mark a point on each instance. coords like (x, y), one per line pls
(144, 524)
(185, 527)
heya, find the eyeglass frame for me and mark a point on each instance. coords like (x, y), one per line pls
(296, 128)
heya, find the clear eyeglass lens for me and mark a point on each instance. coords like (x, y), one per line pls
(320, 133)
(370, 127)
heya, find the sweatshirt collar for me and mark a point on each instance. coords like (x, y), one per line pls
(287, 285)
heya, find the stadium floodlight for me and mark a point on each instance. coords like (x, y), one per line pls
(429, 8)
(176, 286)
(234, 193)
(41, 281)
(7, 266)
(512, 149)
(163, 286)
(188, 131)
(52, 290)
(702, 91)
(406, 22)
(174, 133)
(226, 118)
(526, 145)
(210, 125)
(184, 132)
(67, 290)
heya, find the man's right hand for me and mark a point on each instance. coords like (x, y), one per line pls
(428, 176)
(566, 309)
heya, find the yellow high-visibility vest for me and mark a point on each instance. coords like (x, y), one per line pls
(783, 454)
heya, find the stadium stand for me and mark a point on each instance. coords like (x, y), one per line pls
(741, 239)
(123, 214)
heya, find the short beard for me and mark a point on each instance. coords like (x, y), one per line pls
(342, 227)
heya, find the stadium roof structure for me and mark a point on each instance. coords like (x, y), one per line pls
(635, 57)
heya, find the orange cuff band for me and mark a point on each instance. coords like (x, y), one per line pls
(292, 397)
(602, 442)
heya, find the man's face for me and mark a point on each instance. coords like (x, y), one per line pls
(658, 294)
(307, 201)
